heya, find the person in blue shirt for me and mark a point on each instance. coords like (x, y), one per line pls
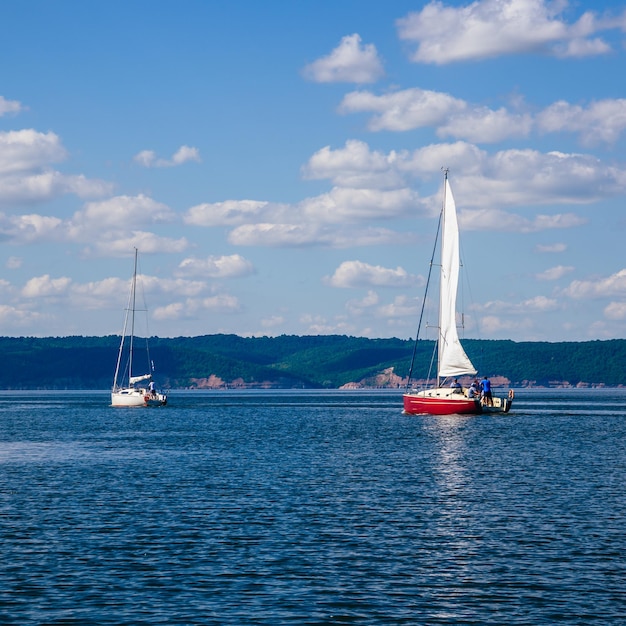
(486, 397)
(456, 385)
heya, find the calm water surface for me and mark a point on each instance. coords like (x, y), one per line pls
(311, 508)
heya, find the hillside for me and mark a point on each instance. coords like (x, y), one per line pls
(324, 361)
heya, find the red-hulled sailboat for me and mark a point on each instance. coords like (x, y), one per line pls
(452, 362)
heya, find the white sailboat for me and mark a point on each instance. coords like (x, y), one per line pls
(129, 392)
(452, 361)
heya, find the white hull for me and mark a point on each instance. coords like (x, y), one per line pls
(131, 396)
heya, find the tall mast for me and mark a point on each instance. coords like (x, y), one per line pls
(132, 319)
(441, 273)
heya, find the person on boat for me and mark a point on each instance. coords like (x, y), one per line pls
(456, 385)
(486, 397)
(473, 391)
(152, 389)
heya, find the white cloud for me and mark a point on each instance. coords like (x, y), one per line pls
(227, 213)
(194, 307)
(484, 125)
(358, 274)
(537, 304)
(598, 288)
(354, 165)
(14, 262)
(490, 28)
(25, 150)
(615, 311)
(148, 158)
(554, 273)
(119, 213)
(403, 110)
(342, 205)
(492, 325)
(296, 235)
(273, 322)
(217, 266)
(357, 307)
(44, 286)
(148, 243)
(601, 121)
(402, 306)
(9, 106)
(349, 62)
(14, 317)
(495, 220)
(24, 229)
(26, 175)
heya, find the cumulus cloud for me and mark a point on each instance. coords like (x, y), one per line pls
(9, 106)
(601, 121)
(598, 288)
(402, 306)
(119, 213)
(615, 311)
(232, 266)
(147, 242)
(299, 235)
(354, 165)
(26, 175)
(350, 62)
(374, 186)
(342, 205)
(227, 213)
(496, 220)
(403, 110)
(490, 28)
(44, 286)
(359, 274)
(24, 150)
(554, 273)
(32, 228)
(15, 317)
(193, 307)
(408, 109)
(273, 322)
(537, 304)
(184, 154)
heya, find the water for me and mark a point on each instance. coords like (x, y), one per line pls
(311, 508)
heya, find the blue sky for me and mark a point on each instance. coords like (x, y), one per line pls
(278, 165)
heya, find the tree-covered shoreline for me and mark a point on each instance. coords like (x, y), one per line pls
(290, 361)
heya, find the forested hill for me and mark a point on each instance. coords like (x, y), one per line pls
(329, 361)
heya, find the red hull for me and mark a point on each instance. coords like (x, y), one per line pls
(445, 405)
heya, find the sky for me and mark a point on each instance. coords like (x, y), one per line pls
(278, 165)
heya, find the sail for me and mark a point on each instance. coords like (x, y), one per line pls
(452, 358)
(138, 379)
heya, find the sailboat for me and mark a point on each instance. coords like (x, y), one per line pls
(452, 361)
(133, 390)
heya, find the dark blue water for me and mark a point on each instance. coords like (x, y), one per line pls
(311, 508)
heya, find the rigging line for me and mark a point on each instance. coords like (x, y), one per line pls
(419, 325)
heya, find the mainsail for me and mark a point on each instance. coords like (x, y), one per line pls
(452, 358)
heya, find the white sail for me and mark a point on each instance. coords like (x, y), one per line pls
(452, 358)
(138, 379)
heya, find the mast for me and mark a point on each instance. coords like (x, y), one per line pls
(442, 277)
(129, 308)
(132, 321)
